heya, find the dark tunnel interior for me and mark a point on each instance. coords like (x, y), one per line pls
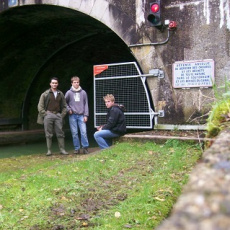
(42, 41)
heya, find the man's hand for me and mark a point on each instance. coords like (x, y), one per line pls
(99, 128)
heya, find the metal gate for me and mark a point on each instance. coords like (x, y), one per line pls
(125, 82)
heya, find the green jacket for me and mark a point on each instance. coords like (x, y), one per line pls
(42, 105)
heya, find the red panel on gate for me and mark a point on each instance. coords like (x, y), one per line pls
(98, 69)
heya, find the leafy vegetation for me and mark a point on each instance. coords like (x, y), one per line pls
(220, 113)
(132, 185)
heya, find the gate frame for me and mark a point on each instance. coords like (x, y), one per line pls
(152, 114)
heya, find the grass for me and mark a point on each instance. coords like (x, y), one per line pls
(131, 185)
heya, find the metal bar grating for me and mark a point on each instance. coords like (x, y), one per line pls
(130, 91)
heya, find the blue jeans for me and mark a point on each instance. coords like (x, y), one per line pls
(104, 138)
(77, 121)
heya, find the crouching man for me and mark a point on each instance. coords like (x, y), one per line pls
(115, 126)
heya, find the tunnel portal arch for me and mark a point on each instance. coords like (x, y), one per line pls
(106, 12)
(102, 46)
(128, 21)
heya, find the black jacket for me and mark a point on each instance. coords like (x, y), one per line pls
(115, 120)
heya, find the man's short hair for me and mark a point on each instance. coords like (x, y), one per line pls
(109, 97)
(75, 78)
(54, 78)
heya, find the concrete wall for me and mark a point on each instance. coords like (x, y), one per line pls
(205, 201)
(202, 33)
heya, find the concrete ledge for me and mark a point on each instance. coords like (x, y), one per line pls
(18, 137)
(179, 127)
(155, 137)
(205, 200)
(26, 136)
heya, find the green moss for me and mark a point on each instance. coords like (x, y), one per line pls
(220, 113)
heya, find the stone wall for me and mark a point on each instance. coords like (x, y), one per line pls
(205, 200)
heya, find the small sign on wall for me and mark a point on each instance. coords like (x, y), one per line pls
(187, 74)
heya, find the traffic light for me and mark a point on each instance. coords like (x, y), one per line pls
(154, 16)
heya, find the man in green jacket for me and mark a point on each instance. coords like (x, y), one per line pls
(52, 109)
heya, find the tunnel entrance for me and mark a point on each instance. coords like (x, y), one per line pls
(43, 41)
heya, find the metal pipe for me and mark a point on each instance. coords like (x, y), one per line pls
(132, 76)
(153, 44)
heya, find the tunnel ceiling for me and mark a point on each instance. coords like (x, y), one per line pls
(40, 41)
(51, 26)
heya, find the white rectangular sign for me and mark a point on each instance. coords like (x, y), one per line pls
(188, 74)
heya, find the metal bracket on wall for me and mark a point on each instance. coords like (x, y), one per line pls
(158, 114)
(157, 73)
(161, 113)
